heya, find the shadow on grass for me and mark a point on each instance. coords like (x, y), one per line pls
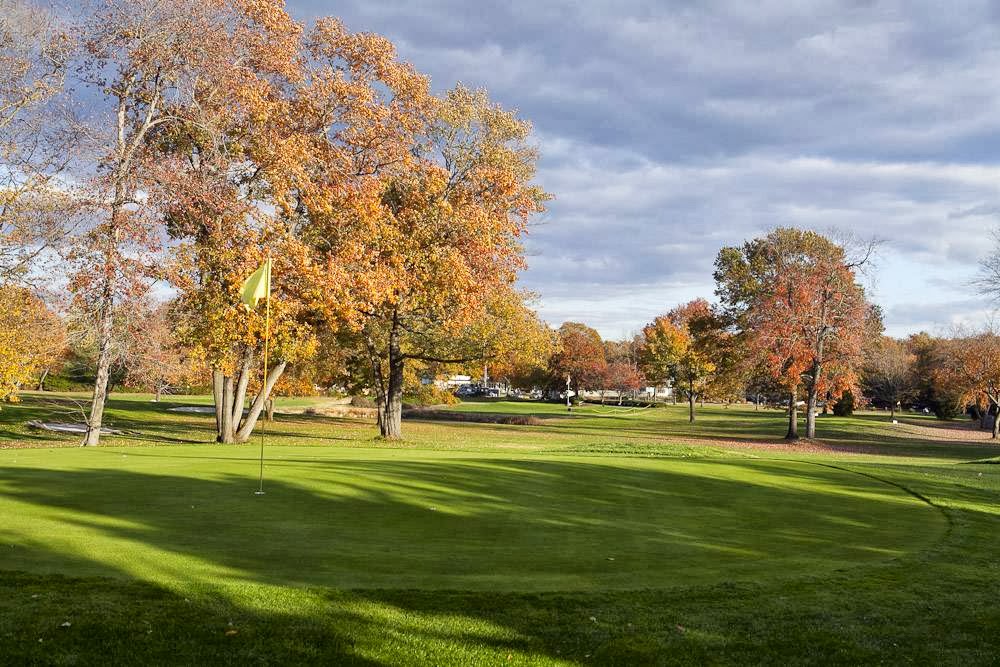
(490, 519)
(460, 523)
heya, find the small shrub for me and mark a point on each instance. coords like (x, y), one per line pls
(844, 407)
(428, 394)
(362, 402)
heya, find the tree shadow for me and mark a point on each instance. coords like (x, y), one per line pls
(459, 523)
(418, 557)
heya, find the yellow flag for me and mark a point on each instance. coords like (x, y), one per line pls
(257, 286)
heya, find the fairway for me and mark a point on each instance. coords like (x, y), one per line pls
(368, 518)
(601, 536)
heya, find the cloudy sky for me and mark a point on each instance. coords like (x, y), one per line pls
(670, 129)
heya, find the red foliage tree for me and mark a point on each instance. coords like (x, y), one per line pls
(580, 357)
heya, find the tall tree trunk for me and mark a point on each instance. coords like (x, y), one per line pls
(253, 413)
(100, 396)
(240, 394)
(159, 392)
(391, 403)
(811, 399)
(41, 380)
(217, 384)
(793, 417)
(226, 432)
(691, 400)
(995, 408)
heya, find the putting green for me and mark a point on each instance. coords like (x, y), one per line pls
(360, 518)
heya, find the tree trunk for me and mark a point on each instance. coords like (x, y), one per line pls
(253, 414)
(41, 380)
(269, 410)
(240, 393)
(793, 417)
(159, 392)
(996, 421)
(390, 422)
(811, 399)
(691, 400)
(217, 383)
(225, 434)
(100, 396)
(811, 414)
(892, 412)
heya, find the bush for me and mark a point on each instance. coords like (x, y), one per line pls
(945, 407)
(844, 407)
(362, 402)
(474, 417)
(428, 394)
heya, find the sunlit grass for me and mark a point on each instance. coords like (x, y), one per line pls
(601, 535)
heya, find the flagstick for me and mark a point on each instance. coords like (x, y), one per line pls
(263, 384)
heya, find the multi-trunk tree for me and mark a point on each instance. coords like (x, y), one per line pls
(223, 173)
(142, 60)
(794, 296)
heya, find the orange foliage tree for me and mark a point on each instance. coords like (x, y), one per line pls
(431, 247)
(225, 169)
(681, 347)
(804, 317)
(969, 369)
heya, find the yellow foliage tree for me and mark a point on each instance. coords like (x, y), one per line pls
(31, 337)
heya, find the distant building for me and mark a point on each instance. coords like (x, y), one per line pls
(655, 393)
(451, 382)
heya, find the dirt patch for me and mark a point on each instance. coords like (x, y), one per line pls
(339, 411)
(968, 431)
(801, 446)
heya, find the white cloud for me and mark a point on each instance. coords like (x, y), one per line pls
(671, 129)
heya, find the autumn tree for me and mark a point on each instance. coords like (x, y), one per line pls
(519, 341)
(31, 338)
(38, 140)
(795, 298)
(228, 168)
(141, 60)
(623, 377)
(432, 245)
(888, 372)
(158, 361)
(928, 392)
(969, 367)
(682, 346)
(579, 357)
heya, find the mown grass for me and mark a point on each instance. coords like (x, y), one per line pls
(604, 536)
